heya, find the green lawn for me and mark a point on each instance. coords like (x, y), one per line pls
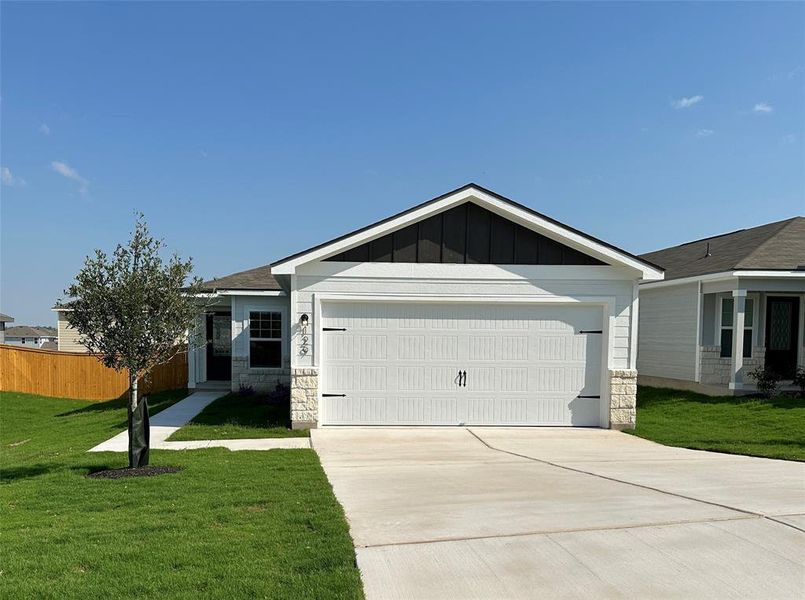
(229, 525)
(771, 428)
(237, 416)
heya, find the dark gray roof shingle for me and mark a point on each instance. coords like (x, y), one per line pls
(775, 246)
(259, 278)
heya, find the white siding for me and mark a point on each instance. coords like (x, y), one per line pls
(667, 332)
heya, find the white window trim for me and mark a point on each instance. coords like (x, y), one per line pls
(247, 311)
(755, 298)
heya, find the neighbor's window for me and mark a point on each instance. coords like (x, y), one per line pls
(727, 306)
(265, 340)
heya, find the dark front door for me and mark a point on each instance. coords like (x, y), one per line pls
(782, 327)
(219, 346)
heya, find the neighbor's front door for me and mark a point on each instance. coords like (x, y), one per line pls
(219, 346)
(782, 327)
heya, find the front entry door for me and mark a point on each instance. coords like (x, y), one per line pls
(219, 346)
(782, 327)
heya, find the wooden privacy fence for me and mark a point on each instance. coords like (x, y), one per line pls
(78, 375)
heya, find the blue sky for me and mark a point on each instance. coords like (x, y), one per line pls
(246, 132)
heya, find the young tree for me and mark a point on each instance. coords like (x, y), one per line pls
(133, 311)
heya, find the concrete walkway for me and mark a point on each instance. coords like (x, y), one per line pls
(170, 420)
(564, 513)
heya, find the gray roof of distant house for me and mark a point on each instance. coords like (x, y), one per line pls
(27, 331)
(6, 318)
(259, 278)
(49, 346)
(776, 246)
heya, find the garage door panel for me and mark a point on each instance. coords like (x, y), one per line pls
(481, 347)
(370, 347)
(372, 378)
(412, 410)
(513, 379)
(411, 347)
(443, 347)
(513, 347)
(410, 378)
(399, 364)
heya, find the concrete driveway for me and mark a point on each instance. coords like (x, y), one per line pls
(563, 513)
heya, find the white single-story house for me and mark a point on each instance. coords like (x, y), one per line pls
(468, 309)
(751, 282)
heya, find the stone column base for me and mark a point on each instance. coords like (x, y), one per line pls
(304, 398)
(622, 399)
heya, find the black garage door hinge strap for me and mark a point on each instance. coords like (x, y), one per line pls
(591, 331)
(333, 328)
(599, 397)
(333, 395)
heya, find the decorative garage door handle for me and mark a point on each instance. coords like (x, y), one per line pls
(464, 373)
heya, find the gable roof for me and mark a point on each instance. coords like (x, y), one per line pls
(6, 318)
(487, 199)
(28, 331)
(778, 246)
(259, 278)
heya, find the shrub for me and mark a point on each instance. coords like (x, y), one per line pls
(280, 395)
(767, 381)
(799, 380)
(246, 390)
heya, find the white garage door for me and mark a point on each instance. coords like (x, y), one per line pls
(460, 364)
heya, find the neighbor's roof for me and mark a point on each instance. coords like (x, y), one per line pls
(49, 346)
(254, 279)
(776, 246)
(28, 331)
(6, 318)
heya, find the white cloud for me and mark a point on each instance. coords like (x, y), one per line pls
(763, 108)
(789, 138)
(44, 129)
(686, 102)
(70, 173)
(704, 133)
(8, 178)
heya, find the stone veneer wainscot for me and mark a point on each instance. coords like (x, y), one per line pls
(622, 398)
(304, 398)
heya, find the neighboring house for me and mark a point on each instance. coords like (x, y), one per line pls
(34, 337)
(467, 309)
(3, 320)
(68, 338)
(751, 282)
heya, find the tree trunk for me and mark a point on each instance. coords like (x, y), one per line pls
(139, 430)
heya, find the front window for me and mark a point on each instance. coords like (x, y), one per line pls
(727, 328)
(265, 340)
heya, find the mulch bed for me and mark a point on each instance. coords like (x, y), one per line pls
(136, 472)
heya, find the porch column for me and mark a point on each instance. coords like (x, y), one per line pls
(738, 314)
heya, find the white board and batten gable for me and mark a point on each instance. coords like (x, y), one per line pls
(469, 309)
